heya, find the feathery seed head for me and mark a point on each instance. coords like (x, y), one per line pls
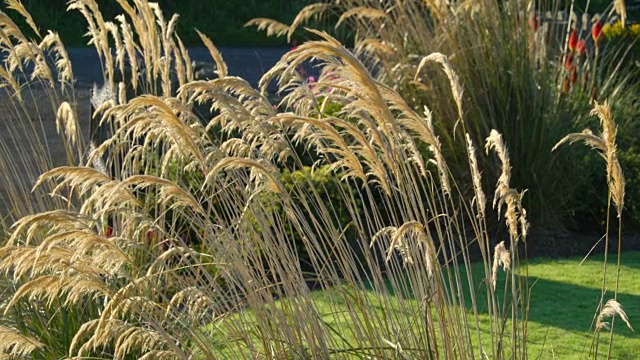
(611, 309)
(501, 257)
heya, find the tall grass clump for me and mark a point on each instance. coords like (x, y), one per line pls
(162, 242)
(606, 146)
(514, 64)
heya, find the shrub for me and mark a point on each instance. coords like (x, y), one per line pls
(222, 20)
(515, 78)
(319, 186)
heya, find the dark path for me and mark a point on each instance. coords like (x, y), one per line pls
(247, 63)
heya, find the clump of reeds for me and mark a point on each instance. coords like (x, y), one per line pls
(606, 146)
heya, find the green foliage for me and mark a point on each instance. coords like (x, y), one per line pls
(630, 161)
(515, 80)
(587, 204)
(54, 325)
(323, 187)
(223, 21)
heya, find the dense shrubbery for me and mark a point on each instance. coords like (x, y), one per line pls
(519, 77)
(318, 186)
(222, 20)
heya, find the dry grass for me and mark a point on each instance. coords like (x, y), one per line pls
(136, 258)
(606, 144)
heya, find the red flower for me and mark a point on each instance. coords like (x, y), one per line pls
(594, 95)
(568, 63)
(109, 231)
(596, 32)
(574, 75)
(566, 85)
(581, 47)
(573, 40)
(533, 22)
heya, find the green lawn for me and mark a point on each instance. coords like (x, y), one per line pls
(564, 298)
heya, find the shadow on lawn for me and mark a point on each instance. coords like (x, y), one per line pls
(572, 307)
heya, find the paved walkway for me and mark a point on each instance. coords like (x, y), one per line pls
(248, 63)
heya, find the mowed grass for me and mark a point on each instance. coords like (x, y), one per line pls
(564, 297)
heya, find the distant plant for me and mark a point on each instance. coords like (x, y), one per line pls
(616, 30)
(523, 74)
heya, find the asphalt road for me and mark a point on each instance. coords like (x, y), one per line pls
(247, 63)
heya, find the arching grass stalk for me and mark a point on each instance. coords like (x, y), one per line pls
(606, 145)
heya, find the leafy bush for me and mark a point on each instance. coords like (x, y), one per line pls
(320, 186)
(222, 20)
(519, 77)
(616, 30)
